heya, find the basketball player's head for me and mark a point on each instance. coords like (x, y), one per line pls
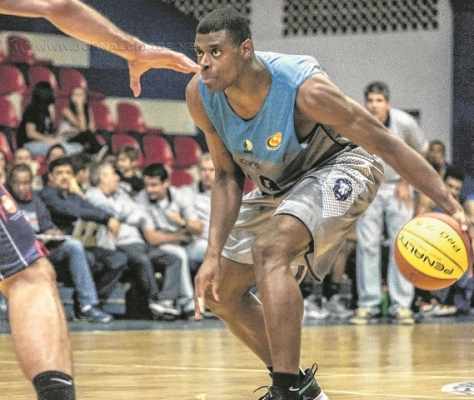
(156, 181)
(377, 100)
(454, 181)
(223, 46)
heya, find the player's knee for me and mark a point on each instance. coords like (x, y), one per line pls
(269, 252)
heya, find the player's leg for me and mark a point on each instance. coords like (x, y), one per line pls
(239, 309)
(39, 330)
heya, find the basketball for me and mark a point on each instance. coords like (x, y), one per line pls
(432, 252)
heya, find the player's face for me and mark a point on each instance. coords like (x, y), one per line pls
(207, 173)
(454, 186)
(155, 188)
(220, 59)
(61, 177)
(22, 185)
(378, 106)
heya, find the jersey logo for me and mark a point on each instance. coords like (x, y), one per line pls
(274, 141)
(248, 146)
(342, 189)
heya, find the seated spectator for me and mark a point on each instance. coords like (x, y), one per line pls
(55, 152)
(64, 250)
(127, 165)
(77, 125)
(24, 156)
(67, 206)
(109, 196)
(436, 156)
(171, 224)
(81, 164)
(36, 131)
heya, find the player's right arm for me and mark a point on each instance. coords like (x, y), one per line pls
(226, 196)
(86, 24)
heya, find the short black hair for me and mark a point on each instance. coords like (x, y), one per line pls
(438, 142)
(59, 162)
(156, 170)
(53, 147)
(228, 19)
(80, 161)
(17, 169)
(377, 87)
(455, 172)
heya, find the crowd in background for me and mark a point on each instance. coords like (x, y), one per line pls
(108, 220)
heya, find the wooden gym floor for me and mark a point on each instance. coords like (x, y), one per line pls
(386, 362)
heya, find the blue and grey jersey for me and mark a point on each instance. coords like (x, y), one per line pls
(266, 147)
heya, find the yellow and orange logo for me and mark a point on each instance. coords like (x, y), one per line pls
(274, 141)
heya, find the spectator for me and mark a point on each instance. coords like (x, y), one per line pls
(67, 206)
(23, 156)
(170, 224)
(64, 250)
(3, 168)
(81, 164)
(55, 152)
(110, 197)
(36, 131)
(392, 205)
(436, 156)
(77, 125)
(127, 165)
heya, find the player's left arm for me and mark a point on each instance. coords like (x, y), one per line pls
(322, 101)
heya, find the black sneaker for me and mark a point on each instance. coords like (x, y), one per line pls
(94, 314)
(309, 388)
(277, 393)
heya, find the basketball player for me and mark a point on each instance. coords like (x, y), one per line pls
(84, 23)
(281, 121)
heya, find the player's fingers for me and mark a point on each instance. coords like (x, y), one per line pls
(135, 76)
(184, 64)
(200, 289)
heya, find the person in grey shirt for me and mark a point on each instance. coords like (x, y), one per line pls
(108, 195)
(171, 223)
(394, 206)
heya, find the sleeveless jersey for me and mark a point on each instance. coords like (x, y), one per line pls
(266, 147)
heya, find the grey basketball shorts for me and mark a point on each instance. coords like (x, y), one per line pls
(327, 200)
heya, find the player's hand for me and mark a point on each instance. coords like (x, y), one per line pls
(404, 193)
(461, 218)
(113, 226)
(151, 57)
(206, 278)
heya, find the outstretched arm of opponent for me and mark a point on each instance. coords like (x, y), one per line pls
(226, 194)
(84, 23)
(320, 100)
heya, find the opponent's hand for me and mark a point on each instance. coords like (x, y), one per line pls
(208, 275)
(150, 57)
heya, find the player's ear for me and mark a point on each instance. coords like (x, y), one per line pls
(246, 49)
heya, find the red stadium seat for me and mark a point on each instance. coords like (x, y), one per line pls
(11, 80)
(248, 185)
(8, 116)
(120, 140)
(5, 147)
(39, 73)
(70, 78)
(20, 50)
(187, 152)
(157, 150)
(180, 177)
(130, 118)
(102, 116)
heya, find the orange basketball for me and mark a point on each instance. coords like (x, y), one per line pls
(432, 252)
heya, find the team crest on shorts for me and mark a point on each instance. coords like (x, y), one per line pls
(274, 141)
(459, 388)
(342, 189)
